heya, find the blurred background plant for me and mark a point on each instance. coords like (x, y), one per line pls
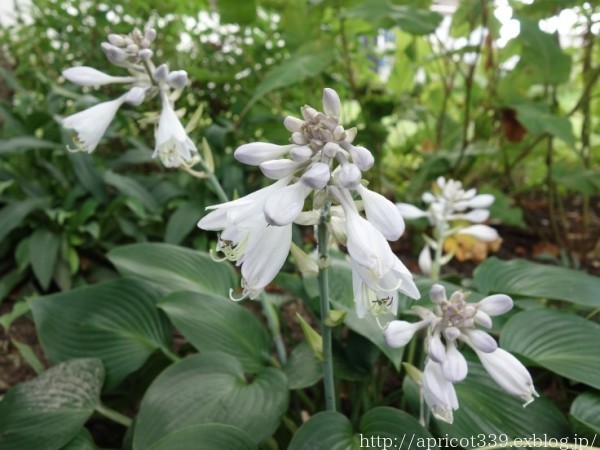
(502, 95)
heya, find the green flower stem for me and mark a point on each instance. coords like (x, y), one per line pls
(324, 294)
(217, 186)
(273, 322)
(113, 415)
(169, 354)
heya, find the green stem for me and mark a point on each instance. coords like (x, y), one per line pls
(169, 354)
(324, 294)
(217, 186)
(113, 415)
(273, 322)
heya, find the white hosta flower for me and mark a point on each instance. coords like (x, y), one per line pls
(91, 124)
(88, 76)
(173, 145)
(399, 333)
(382, 213)
(509, 373)
(439, 393)
(248, 240)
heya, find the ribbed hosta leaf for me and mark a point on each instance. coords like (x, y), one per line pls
(49, 411)
(303, 369)
(173, 268)
(83, 441)
(116, 321)
(563, 343)
(485, 409)
(211, 388)
(214, 323)
(381, 427)
(213, 436)
(585, 411)
(524, 278)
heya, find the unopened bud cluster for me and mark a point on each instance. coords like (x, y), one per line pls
(321, 159)
(134, 53)
(449, 323)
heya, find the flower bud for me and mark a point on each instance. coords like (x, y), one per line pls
(150, 34)
(480, 340)
(279, 168)
(145, 54)
(298, 138)
(350, 176)
(331, 149)
(293, 124)
(361, 157)
(161, 72)
(399, 333)
(455, 366)
(436, 350)
(135, 96)
(177, 79)
(317, 176)
(495, 305)
(113, 53)
(116, 39)
(339, 134)
(437, 294)
(481, 232)
(380, 211)
(301, 153)
(331, 103)
(308, 112)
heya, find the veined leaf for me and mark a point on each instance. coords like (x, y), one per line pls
(43, 251)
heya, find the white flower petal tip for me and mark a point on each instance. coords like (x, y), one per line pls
(410, 212)
(362, 157)
(277, 169)
(481, 232)
(455, 366)
(135, 96)
(495, 305)
(425, 261)
(436, 350)
(350, 176)
(332, 105)
(382, 213)
(481, 201)
(317, 176)
(437, 294)
(399, 333)
(439, 393)
(177, 79)
(88, 76)
(509, 373)
(282, 207)
(293, 124)
(258, 152)
(91, 124)
(301, 153)
(481, 341)
(173, 145)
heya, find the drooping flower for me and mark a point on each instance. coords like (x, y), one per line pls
(450, 210)
(439, 393)
(450, 322)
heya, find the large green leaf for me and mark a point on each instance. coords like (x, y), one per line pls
(13, 215)
(211, 388)
(182, 222)
(213, 436)
(563, 343)
(43, 251)
(524, 278)
(49, 411)
(303, 368)
(409, 18)
(174, 268)
(342, 298)
(83, 441)
(537, 120)
(380, 428)
(23, 143)
(116, 321)
(213, 323)
(486, 410)
(585, 411)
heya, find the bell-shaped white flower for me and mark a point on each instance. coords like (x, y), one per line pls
(91, 124)
(284, 206)
(382, 213)
(439, 393)
(509, 373)
(88, 76)
(256, 153)
(173, 145)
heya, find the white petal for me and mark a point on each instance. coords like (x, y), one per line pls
(428, 197)
(317, 176)
(331, 103)
(135, 96)
(481, 232)
(410, 212)
(436, 350)
(483, 319)
(480, 340)
(88, 76)
(437, 294)
(91, 124)
(177, 79)
(362, 157)
(301, 153)
(399, 333)
(438, 392)
(382, 213)
(284, 206)
(455, 366)
(475, 216)
(258, 152)
(265, 257)
(173, 145)
(481, 201)
(277, 169)
(425, 262)
(497, 304)
(509, 373)
(293, 124)
(350, 176)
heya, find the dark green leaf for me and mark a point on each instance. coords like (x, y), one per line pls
(563, 343)
(43, 251)
(13, 215)
(303, 368)
(116, 321)
(83, 441)
(537, 121)
(585, 411)
(211, 388)
(182, 221)
(48, 412)
(524, 278)
(174, 268)
(213, 436)
(213, 323)
(131, 188)
(23, 143)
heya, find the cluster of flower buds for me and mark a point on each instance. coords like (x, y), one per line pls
(449, 323)
(134, 53)
(450, 210)
(321, 159)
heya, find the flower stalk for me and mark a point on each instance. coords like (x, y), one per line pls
(326, 331)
